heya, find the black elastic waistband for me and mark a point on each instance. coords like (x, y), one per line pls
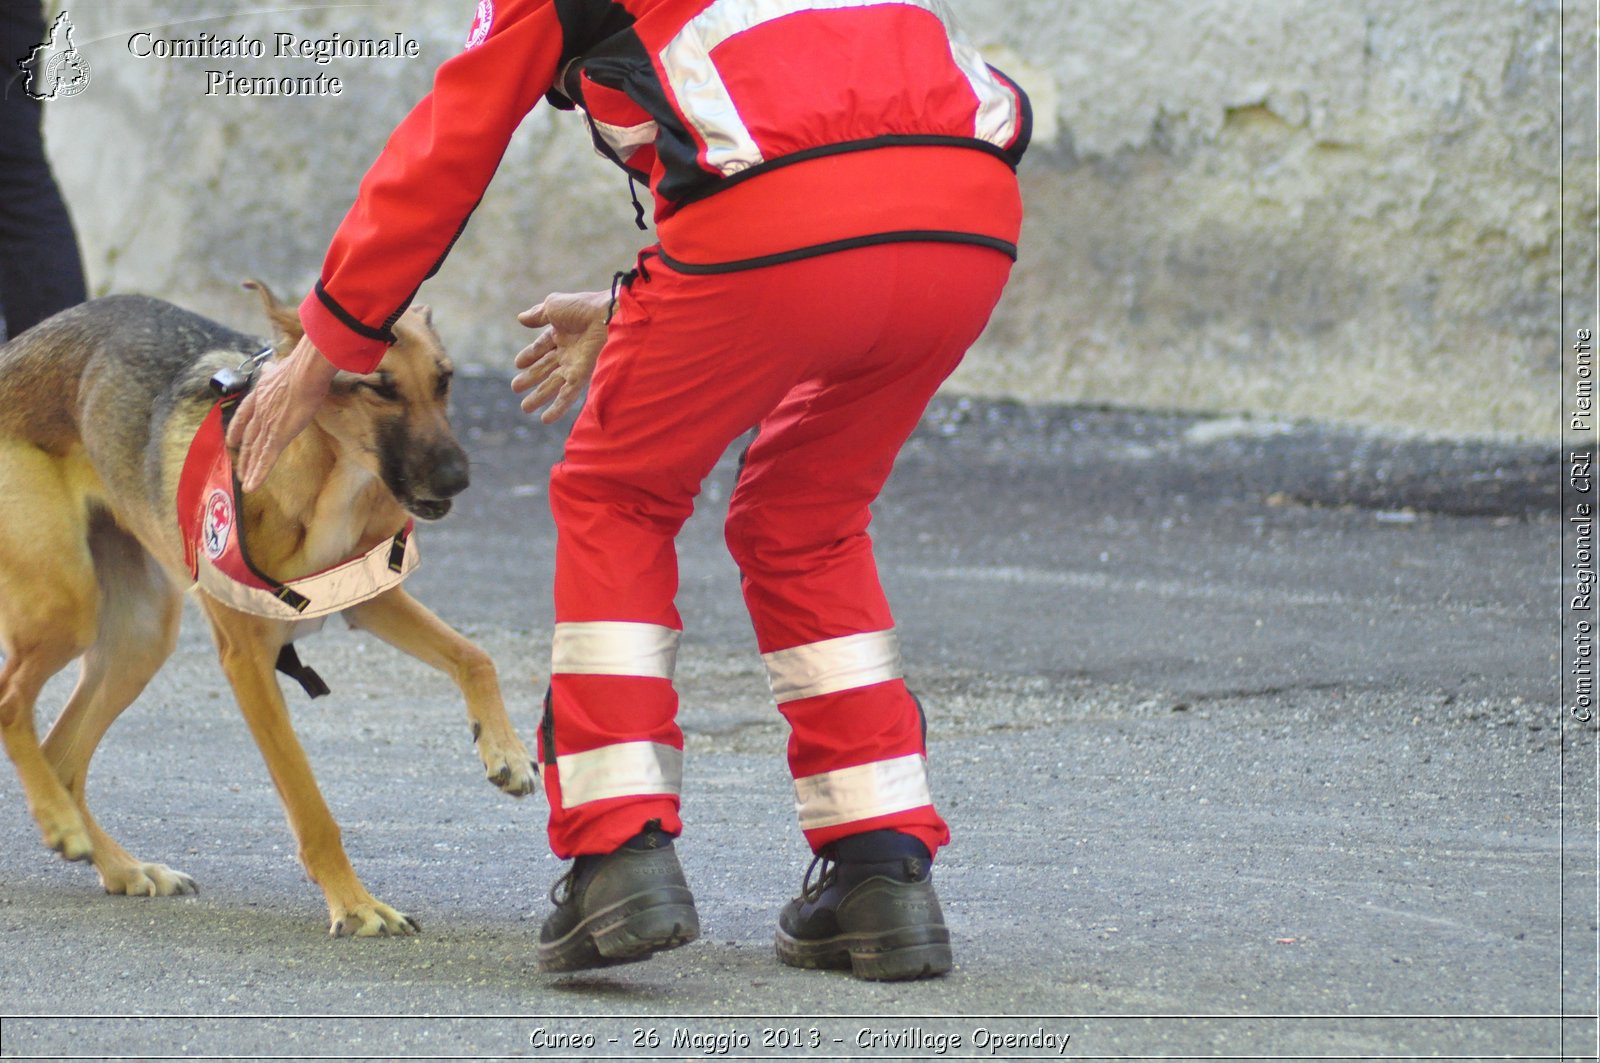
(905, 236)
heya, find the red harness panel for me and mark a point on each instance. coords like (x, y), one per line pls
(209, 516)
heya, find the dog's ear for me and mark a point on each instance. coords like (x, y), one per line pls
(285, 319)
(425, 310)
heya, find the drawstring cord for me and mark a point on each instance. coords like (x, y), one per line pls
(625, 279)
(638, 208)
(618, 279)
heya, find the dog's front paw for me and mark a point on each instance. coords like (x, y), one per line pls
(507, 763)
(147, 880)
(370, 919)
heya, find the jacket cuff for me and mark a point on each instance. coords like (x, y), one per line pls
(338, 339)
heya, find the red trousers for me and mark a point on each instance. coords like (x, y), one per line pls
(834, 359)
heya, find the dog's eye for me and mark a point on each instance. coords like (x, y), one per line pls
(384, 388)
(442, 388)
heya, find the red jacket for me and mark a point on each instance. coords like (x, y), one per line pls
(766, 129)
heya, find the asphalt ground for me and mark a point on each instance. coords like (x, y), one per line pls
(1249, 734)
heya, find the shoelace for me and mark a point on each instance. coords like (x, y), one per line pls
(562, 890)
(566, 887)
(911, 867)
(811, 891)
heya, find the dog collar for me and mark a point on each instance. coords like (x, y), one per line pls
(209, 514)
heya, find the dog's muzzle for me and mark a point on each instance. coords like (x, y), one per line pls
(446, 477)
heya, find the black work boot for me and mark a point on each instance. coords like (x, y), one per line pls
(619, 907)
(872, 910)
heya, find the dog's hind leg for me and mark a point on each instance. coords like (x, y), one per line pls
(248, 647)
(138, 629)
(28, 665)
(47, 618)
(405, 623)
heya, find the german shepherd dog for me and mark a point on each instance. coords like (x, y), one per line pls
(98, 406)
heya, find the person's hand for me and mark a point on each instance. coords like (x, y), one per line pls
(557, 365)
(283, 401)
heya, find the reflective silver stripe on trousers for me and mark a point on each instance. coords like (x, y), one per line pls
(614, 647)
(862, 792)
(705, 101)
(627, 769)
(832, 665)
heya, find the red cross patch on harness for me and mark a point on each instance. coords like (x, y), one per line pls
(218, 523)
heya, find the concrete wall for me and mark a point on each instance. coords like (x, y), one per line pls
(1344, 209)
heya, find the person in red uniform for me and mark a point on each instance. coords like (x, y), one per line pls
(837, 212)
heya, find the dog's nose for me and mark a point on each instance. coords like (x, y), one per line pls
(447, 473)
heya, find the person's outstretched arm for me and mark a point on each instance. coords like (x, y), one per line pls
(411, 207)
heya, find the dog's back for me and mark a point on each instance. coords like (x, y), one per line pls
(106, 391)
(136, 347)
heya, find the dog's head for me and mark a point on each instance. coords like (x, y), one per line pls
(395, 420)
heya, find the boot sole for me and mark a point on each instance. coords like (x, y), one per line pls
(631, 930)
(893, 956)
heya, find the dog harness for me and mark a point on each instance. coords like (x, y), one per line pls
(210, 512)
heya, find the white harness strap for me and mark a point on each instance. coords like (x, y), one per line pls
(330, 591)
